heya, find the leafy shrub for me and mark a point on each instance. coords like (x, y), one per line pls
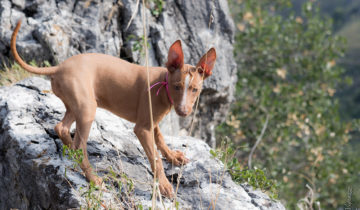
(288, 74)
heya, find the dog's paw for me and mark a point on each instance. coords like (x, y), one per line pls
(63, 134)
(98, 181)
(166, 188)
(91, 177)
(177, 158)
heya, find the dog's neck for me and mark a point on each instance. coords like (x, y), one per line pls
(163, 94)
(163, 85)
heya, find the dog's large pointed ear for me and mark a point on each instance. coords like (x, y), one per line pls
(175, 57)
(206, 63)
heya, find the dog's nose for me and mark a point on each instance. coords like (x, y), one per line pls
(182, 111)
(182, 114)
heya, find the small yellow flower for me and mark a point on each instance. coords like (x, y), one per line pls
(241, 27)
(331, 91)
(281, 73)
(332, 180)
(276, 89)
(320, 130)
(248, 16)
(330, 64)
(299, 20)
(240, 134)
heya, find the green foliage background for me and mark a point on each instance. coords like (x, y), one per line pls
(288, 73)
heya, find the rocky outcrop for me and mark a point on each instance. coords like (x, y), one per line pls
(55, 30)
(35, 174)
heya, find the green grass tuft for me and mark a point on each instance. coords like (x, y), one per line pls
(15, 73)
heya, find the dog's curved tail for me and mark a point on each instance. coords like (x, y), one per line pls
(23, 64)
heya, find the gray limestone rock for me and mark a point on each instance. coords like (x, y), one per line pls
(54, 30)
(35, 174)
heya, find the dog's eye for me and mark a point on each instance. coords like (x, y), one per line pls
(177, 87)
(194, 90)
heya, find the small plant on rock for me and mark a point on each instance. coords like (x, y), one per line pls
(255, 177)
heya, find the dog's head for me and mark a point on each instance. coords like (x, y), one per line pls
(185, 81)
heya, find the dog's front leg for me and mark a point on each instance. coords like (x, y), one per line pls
(144, 135)
(175, 157)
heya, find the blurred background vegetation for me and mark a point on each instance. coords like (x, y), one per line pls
(297, 98)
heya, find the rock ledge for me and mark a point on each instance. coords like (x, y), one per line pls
(32, 168)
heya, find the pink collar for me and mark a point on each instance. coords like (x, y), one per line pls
(166, 84)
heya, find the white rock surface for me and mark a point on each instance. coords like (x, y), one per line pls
(32, 168)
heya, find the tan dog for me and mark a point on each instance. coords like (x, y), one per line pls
(87, 81)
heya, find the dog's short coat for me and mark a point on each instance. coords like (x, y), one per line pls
(87, 81)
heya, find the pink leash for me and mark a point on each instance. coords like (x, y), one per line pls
(166, 84)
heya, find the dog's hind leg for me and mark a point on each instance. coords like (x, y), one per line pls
(63, 127)
(85, 115)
